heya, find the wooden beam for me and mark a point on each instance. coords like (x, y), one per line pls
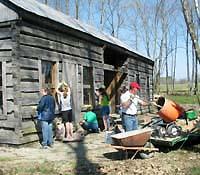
(4, 88)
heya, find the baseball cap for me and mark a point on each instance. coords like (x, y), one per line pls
(135, 85)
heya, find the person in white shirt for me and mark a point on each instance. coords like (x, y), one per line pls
(65, 102)
(129, 103)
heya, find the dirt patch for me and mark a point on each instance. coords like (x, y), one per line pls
(93, 156)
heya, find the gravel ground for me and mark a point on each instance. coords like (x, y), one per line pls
(92, 156)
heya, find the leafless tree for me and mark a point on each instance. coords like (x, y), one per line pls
(77, 5)
(89, 11)
(114, 16)
(67, 6)
(197, 10)
(174, 58)
(58, 5)
(191, 27)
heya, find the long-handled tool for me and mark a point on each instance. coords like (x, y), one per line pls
(148, 102)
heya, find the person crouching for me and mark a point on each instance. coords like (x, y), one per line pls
(89, 122)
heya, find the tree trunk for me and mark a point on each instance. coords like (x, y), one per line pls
(190, 27)
(77, 9)
(67, 6)
(174, 63)
(188, 63)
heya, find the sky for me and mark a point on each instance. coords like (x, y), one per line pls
(127, 37)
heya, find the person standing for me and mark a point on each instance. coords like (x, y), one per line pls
(66, 109)
(46, 110)
(104, 108)
(122, 91)
(129, 103)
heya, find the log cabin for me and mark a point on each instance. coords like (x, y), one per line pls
(41, 47)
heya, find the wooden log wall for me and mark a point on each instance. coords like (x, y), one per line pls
(9, 121)
(22, 47)
(37, 43)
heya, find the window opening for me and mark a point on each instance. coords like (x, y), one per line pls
(49, 75)
(87, 86)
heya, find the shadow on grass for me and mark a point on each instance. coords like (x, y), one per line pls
(83, 165)
(121, 155)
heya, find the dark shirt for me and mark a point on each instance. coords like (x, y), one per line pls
(46, 107)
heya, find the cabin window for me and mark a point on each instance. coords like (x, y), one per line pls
(48, 74)
(1, 90)
(87, 85)
(138, 78)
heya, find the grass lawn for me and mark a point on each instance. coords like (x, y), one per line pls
(183, 99)
(180, 94)
(178, 88)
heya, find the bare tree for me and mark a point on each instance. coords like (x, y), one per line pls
(89, 11)
(174, 57)
(77, 3)
(102, 13)
(58, 5)
(197, 10)
(188, 63)
(191, 27)
(67, 6)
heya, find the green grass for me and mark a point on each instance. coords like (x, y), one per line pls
(180, 94)
(178, 88)
(43, 168)
(183, 99)
(2, 159)
(194, 171)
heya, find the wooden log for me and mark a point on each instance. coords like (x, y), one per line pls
(28, 74)
(29, 87)
(6, 44)
(30, 127)
(9, 137)
(29, 112)
(30, 98)
(29, 63)
(29, 138)
(6, 53)
(65, 39)
(45, 55)
(9, 124)
(57, 46)
(5, 32)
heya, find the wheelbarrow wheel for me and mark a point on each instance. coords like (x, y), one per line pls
(147, 153)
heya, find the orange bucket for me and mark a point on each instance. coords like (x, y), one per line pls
(170, 111)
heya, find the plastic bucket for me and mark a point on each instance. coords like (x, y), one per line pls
(108, 138)
(170, 111)
(191, 114)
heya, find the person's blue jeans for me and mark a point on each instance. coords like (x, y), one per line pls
(93, 127)
(129, 122)
(47, 133)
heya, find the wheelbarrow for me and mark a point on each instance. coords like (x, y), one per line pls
(136, 141)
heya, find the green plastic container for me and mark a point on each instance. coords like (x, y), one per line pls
(191, 114)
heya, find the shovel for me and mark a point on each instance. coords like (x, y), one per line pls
(150, 102)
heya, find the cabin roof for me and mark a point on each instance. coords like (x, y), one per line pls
(45, 11)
